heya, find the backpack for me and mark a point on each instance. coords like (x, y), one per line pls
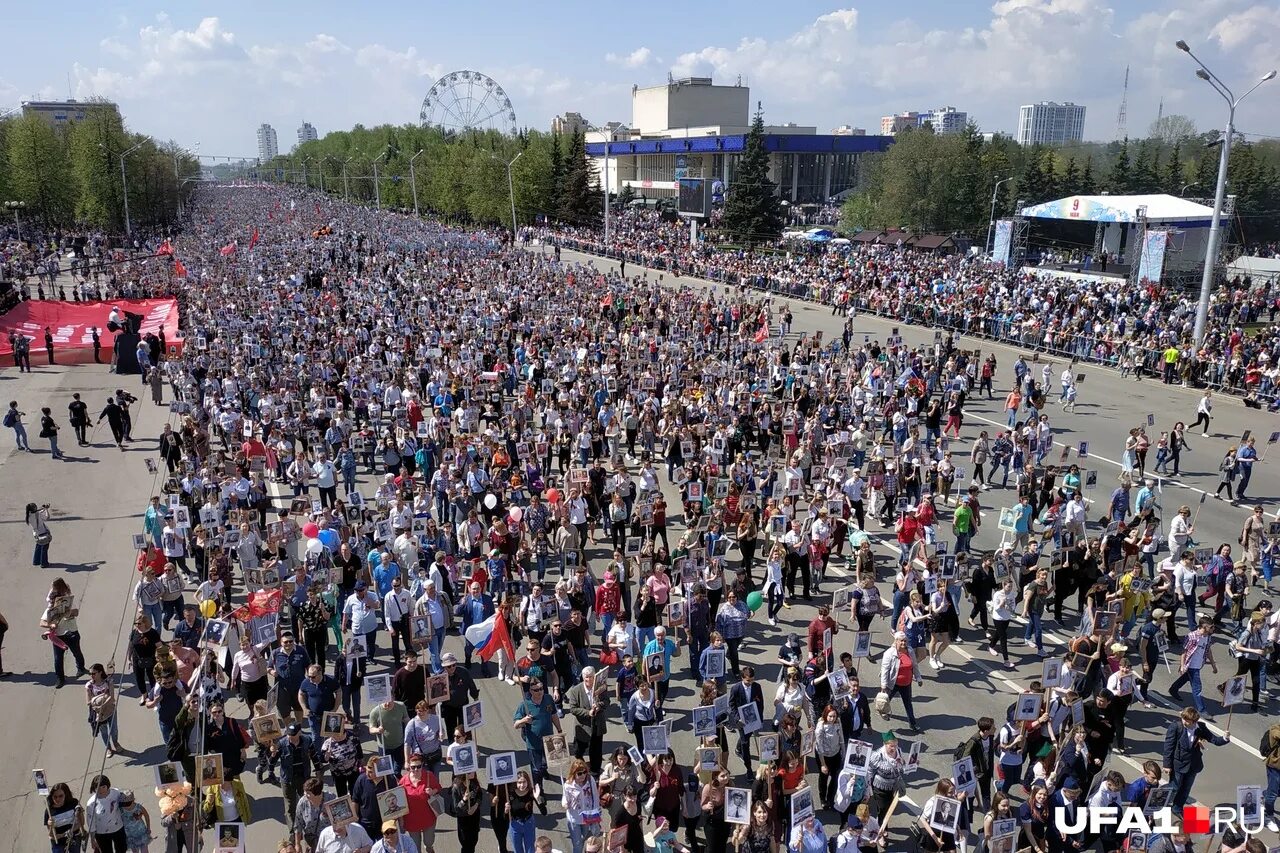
(1271, 738)
(10, 418)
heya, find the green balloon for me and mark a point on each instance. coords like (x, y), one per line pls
(755, 600)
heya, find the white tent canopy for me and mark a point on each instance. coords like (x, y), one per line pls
(1160, 209)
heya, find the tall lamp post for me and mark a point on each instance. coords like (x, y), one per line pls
(377, 184)
(124, 183)
(995, 194)
(305, 181)
(413, 182)
(1215, 225)
(15, 206)
(346, 194)
(511, 190)
(608, 137)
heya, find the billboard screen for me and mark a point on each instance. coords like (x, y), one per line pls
(695, 197)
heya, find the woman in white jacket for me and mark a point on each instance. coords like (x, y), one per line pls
(581, 801)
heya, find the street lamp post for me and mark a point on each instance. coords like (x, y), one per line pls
(15, 206)
(608, 136)
(124, 183)
(377, 184)
(346, 194)
(1215, 224)
(413, 182)
(995, 194)
(306, 183)
(511, 189)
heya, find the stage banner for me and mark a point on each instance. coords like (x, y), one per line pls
(1003, 242)
(71, 324)
(1151, 266)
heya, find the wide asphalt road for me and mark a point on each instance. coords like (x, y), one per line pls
(99, 494)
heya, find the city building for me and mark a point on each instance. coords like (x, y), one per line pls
(59, 113)
(1050, 123)
(307, 133)
(945, 119)
(848, 130)
(889, 125)
(691, 129)
(569, 124)
(268, 149)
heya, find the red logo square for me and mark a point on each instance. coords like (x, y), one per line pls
(1195, 820)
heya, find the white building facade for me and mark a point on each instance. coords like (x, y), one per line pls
(268, 147)
(1050, 123)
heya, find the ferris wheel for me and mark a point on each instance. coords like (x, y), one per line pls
(468, 100)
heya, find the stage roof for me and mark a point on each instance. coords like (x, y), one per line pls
(1123, 208)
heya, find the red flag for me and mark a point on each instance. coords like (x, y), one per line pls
(229, 249)
(607, 301)
(270, 215)
(266, 601)
(762, 334)
(178, 269)
(253, 241)
(165, 249)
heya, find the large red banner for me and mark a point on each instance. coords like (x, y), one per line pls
(71, 324)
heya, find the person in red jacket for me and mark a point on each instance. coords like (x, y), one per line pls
(608, 602)
(818, 627)
(909, 531)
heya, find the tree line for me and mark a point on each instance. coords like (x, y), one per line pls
(69, 175)
(458, 177)
(945, 182)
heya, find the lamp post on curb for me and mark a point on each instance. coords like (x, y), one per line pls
(511, 190)
(15, 206)
(995, 194)
(346, 189)
(1215, 224)
(377, 184)
(124, 183)
(413, 182)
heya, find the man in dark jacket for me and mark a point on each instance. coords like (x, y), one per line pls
(745, 692)
(299, 758)
(981, 747)
(115, 419)
(78, 414)
(462, 689)
(1184, 752)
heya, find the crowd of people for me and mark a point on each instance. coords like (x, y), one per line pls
(1106, 321)
(404, 462)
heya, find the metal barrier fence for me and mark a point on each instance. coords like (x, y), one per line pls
(1105, 352)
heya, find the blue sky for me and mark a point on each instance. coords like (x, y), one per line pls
(211, 75)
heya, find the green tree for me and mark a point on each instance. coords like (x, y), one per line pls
(1070, 183)
(1172, 129)
(1033, 187)
(581, 201)
(753, 211)
(96, 143)
(1120, 178)
(1087, 186)
(1173, 173)
(1143, 172)
(40, 171)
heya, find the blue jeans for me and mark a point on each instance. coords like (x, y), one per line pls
(1273, 791)
(20, 436)
(1012, 775)
(579, 833)
(1192, 676)
(1034, 629)
(110, 731)
(606, 624)
(1189, 602)
(57, 454)
(155, 613)
(40, 557)
(72, 846)
(643, 636)
(437, 642)
(1246, 471)
(523, 832)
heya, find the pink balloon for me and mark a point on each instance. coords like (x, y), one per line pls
(515, 514)
(310, 530)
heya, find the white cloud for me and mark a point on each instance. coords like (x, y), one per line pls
(833, 70)
(635, 59)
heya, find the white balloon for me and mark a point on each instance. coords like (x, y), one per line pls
(490, 501)
(314, 546)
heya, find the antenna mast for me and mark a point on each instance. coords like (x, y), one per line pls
(1123, 116)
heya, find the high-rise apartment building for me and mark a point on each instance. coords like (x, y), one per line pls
(945, 119)
(307, 133)
(569, 124)
(1050, 123)
(889, 125)
(268, 149)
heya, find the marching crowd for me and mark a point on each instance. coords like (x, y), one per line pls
(405, 461)
(1104, 321)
